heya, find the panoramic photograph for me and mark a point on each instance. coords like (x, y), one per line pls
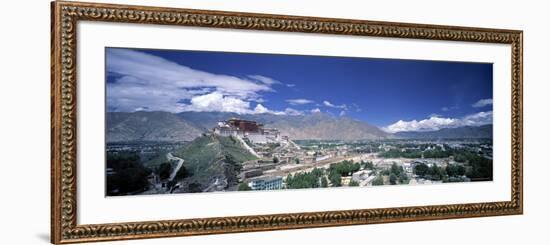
(181, 121)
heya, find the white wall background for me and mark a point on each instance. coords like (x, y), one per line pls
(25, 104)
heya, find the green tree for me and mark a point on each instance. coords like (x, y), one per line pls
(345, 168)
(393, 179)
(244, 187)
(369, 165)
(303, 180)
(353, 183)
(297, 161)
(275, 160)
(421, 169)
(480, 168)
(317, 172)
(450, 170)
(335, 179)
(403, 178)
(182, 173)
(164, 170)
(129, 173)
(435, 172)
(455, 170)
(379, 180)
(461, 170)
(397, 170)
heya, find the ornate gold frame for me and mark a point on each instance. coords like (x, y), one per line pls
(65, 16)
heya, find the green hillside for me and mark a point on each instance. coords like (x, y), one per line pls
(210, 157)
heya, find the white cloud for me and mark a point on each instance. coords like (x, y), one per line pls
(483, 103)
(259, 100)
(316, 110)
(328, 104)
(291, 85)
(259, 109)
(148, 81)
(293, 112)
(437, 122)
(264, 79)
(299, 101)
(216, 101)
(342, 113)
(445, 108)
(479, 118)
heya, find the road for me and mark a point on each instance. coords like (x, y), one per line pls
(245, 145)
(180, 163)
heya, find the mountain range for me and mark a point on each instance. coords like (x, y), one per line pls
(186, 126)
(148, 126)
(471, 132)
(310, 126)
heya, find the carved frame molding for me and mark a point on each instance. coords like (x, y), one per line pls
(66, 15)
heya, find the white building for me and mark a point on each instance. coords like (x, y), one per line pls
(251, 130)
(267, 183)
(360, 176)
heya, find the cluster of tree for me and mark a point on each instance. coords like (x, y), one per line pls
(396, 174)
(163, 170)
(454, 170)
(451, 173)
(474, 166)
(408, 153)
(396, 153)
(129, 173)
(313, 179)
(344, 168)
(481, 167)
(367, 165)
(244, 187)
(335, 179)
(366, 149)
(379, 180)
(434, 172)
(437, 154)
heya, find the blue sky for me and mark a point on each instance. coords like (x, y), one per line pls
(396, 95)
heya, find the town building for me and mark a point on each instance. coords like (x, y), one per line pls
(408, 167)
(345, 180)
(360, 176)
(267, 183)
(250, 130)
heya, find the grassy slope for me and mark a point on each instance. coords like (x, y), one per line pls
(204, 156)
